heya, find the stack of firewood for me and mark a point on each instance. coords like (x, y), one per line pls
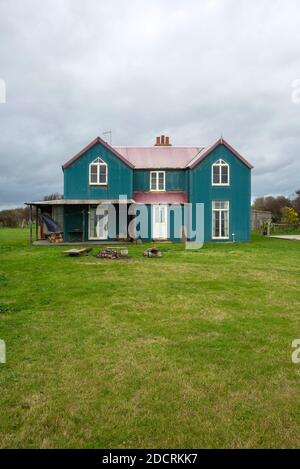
(152, 252)
(56, 237)
(108, 254)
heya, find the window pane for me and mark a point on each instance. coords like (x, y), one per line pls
(217, 204)
(216, 224)
(224, 176)
(224, 224)
(162, 214)
(92, 223)
(220, 205)
(153, 181)
(102, 176)
(161, 180)
(216, 175)
(94, 173)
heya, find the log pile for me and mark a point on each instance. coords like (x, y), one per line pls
(56, 237)
(152, 252)
(108, 254)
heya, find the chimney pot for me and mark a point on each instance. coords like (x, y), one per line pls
(167, 141)
(157, 141)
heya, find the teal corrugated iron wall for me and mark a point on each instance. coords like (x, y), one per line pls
(238, 193)
(76, 177)
(176, 180)
(196, 182)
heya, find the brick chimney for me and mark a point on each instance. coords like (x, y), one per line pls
(163, 141)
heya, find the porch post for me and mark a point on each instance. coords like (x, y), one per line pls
(36, 223)
(30, 223)
(83, 225)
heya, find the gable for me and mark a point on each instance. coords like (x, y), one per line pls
(208, 151)
(77, 175)
(91, 145)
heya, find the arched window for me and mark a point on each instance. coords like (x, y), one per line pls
(220, 173)
(98, 172)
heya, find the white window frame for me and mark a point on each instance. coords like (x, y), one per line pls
(98, 162)
(220, 164)
(95, 238)
(212, 218)
(157, 173)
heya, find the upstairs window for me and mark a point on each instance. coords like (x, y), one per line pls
(220, 173)
(157, 180)
(98, 172)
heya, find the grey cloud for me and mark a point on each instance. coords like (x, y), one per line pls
(74, 69)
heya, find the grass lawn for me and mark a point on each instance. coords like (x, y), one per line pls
(190, 350)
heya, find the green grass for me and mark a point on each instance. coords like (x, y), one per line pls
(190, 350)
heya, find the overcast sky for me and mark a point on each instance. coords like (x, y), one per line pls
(191, 69)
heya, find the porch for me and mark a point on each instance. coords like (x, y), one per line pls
(73, 218)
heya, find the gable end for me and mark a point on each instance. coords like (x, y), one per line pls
(90, 145)
(202, 155)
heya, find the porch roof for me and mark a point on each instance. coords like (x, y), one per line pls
(174, 197)
(79, 202)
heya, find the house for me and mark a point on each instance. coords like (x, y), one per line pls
(158, 179)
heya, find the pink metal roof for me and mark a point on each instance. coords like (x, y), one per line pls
(160, 197)
(159, 157)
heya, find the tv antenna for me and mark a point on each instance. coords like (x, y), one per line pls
(108, 132)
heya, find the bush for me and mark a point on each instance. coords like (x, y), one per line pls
(289, 216)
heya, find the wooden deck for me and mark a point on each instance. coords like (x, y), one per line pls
(44, 242)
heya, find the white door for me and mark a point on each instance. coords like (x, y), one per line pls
(160, 221)
(98, 223)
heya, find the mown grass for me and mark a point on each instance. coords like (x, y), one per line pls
(190, 350)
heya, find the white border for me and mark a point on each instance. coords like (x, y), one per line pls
(157, 180)
(212, 218)
(212, 174)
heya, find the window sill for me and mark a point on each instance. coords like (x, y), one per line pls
(221, 185)
(98, 184)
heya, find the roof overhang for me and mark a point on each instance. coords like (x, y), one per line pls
(45, 203)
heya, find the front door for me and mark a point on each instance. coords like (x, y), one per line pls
(160, 222)
(98, 223)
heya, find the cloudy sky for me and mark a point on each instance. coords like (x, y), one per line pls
(191, 69)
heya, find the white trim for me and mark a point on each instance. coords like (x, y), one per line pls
(98, 162)
(220, 163)
(212, 218)
(157, 181)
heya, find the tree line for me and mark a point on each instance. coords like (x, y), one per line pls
(19, 217)
(283, 209)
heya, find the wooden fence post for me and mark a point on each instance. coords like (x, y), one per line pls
(30, 223)
(36, 223)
